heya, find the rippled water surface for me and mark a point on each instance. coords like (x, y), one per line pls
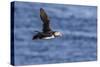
(77, 24)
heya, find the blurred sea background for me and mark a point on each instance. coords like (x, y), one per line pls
(77, 23)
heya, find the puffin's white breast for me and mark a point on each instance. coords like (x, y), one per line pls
(49, 37)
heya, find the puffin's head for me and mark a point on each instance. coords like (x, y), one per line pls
(56, 34)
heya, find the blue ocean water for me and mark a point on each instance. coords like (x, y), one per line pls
(78, 24)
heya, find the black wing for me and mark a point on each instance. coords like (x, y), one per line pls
(45, 19)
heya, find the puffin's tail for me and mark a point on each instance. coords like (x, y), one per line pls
(35, 37)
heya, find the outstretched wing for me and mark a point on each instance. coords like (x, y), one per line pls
(44, 16)
(45, 19)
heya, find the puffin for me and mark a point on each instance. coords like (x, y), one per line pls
(46, 33)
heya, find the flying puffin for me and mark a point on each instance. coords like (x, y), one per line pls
(46, 33)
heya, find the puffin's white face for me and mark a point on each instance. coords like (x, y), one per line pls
(57, 34)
